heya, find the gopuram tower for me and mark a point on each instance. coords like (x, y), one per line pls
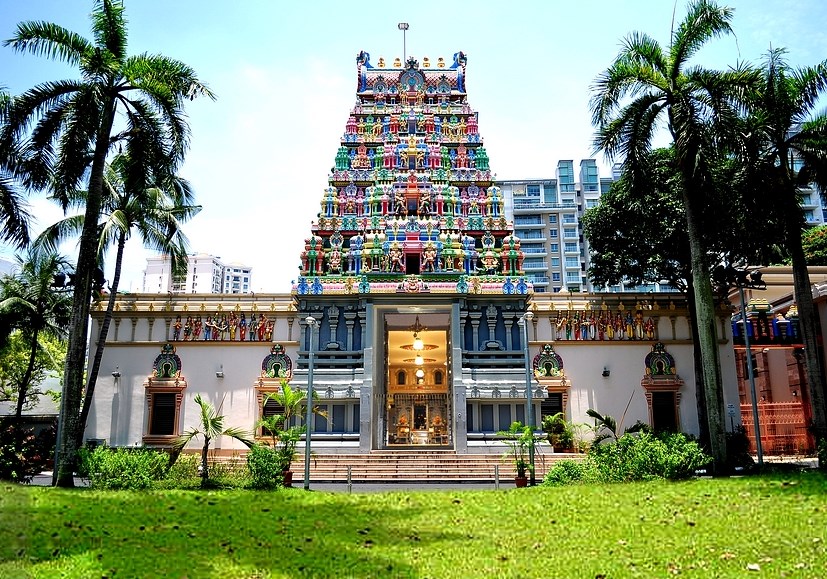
(411, 276)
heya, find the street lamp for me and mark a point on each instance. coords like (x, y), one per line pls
(524, 320)
(403, 26)
(311, 325)
(752, 280)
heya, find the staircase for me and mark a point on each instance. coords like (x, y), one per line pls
(424, 466)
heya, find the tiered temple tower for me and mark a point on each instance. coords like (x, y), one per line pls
(411, 224)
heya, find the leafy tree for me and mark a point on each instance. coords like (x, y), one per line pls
(646, 85)
(637, 234)
(155, 213)
(14, 214)
(32, 305)
(785, 146)
(73, 129)
(14, 359)
(211, 427)
(814, 244)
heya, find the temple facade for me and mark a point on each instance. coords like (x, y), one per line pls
(412, 318)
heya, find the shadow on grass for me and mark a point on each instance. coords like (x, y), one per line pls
(205, 534)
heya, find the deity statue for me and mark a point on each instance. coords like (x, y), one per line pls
(268, 332)
(253, 327)
(208, 329)
(395, 255)
(197, 325)
(429, 258)
(188, 329)
(176, 329)
(262, 327)
(233, 325)
(242, 327)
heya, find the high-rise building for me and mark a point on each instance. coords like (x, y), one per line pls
(206, 274)
(547, 216)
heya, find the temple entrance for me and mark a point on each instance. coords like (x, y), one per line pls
(417, 402)
(412, 263)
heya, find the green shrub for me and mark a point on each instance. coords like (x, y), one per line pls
(738, 448)
(647, 456)
(265, 466)
(641, 456)
(822, 453)
(183, 474)
(566, 472)
(20, 461)
(122, 468)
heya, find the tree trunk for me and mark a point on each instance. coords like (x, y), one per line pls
(808, 323)
(91, 381)
(23, 387)
(205, 474)
(700, 394)
(69, 419)
(707, 335)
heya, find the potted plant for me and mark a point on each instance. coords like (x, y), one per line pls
(285, 438)
(522, 443)
(560, 432)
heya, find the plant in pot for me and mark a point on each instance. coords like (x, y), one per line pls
(560, 432)
(521, 442)
(285, 437)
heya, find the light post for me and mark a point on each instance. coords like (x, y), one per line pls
(752, 280)
(529, 410)
(311, 325)
(403, 26)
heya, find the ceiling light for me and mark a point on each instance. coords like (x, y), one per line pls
(420, 373)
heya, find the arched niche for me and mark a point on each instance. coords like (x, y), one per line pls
(547, 367)
(164, 389)
(662, 387)
(276, 369)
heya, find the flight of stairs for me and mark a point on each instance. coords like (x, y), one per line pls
(424, 466)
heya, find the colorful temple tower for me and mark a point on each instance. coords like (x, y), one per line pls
(412, 237)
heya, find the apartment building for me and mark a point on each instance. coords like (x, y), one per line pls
(206, 274)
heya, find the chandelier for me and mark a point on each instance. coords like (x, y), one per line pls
(418, 344)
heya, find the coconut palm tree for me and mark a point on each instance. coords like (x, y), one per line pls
(31, 304)
(72, 129)
(646, 85)
(211, 427)
(14, 215)
(155, 213)
(787, 148)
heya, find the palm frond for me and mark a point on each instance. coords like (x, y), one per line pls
(50, 40)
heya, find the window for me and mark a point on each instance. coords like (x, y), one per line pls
(592, 203)
(572, 262)
(555, 276)
(569, 232)
(162, 421)
(573, 276)
(571, 247)
(438, 377)
(550, 194)
(552, 219)
(555, 262)
(533, 190)
(163, 396)
(569, 218)
(555, 248)
(552, 233)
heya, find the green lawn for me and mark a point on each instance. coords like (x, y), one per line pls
(776, 525)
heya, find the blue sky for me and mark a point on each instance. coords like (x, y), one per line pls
(285, 76)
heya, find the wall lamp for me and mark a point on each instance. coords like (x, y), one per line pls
(117, 372)
(606, 372)
(220, 372)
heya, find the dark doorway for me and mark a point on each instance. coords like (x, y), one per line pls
(412, 263)
(420, 417)
(664, 414)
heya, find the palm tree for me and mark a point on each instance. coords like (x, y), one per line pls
(73, 130)
(211, 427)
(14, 216)
(788, 139)
(31, 304)
(156, 213)
(646, 85)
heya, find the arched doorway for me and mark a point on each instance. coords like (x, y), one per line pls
(417, 392)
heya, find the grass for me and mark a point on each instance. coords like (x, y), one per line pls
(772, 525)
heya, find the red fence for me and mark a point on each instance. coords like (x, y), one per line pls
(783, 428)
